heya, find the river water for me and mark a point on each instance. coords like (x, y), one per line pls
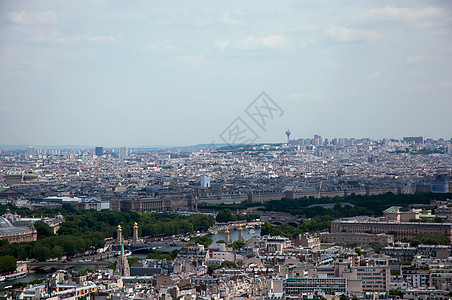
(233, 236)
(28, 278)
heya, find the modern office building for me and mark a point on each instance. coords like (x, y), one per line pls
(30, 151)
(122, 152)
(303, 285)
(205, 181)
(99, 151)
(414, 139)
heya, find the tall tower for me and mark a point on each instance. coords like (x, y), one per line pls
(122, 152)
(99, 151)
(119, 239)
(135, 233)
(226, 236)
(122, 267)
(241, 233)
(288, 135)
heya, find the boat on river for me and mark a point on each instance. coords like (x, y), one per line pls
(15, 276)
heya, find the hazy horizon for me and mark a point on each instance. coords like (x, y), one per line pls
(103, 73)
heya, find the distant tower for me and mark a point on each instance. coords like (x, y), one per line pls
(99, 151)
(123, 268)
(226, 236)
(288, 135)
(30, 151)
(122, 152)
(205, 181)
(241, 233)
(135, 233)
(119, 240)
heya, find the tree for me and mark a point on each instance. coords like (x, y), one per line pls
(224, 216)
(8, 264)
(237, 245)
(41, 252)
(432, 239)
(358, 251)
(204, 240)
(228, 264)
(211, 268)
(43, 229)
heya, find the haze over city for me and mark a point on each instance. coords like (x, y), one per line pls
(175, 73)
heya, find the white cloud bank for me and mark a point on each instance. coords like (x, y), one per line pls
(344, 34)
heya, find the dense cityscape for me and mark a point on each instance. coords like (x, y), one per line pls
(226, 150)
(310, 218)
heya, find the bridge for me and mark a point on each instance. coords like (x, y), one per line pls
(151, 246)
(59, 265)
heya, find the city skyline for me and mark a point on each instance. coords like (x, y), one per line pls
(175, 74)
(206, 145)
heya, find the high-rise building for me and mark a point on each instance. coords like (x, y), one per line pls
(413, 139)
(99, 151)
(122, 152)
(449, 149)
(30, 151)
(205, 181)
(317, 140)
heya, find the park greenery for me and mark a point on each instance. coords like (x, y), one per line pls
(86, 230)
(315, 224)
(226, 216)
(349, 206)
(237, 245)
(160, 255)
(225, 264)
(18, 284)
(234, 206)
(432, 239)
(204, 240)
(8, 264)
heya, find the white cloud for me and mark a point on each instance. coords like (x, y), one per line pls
(47, 17)
(226, 18)
(166, 45)
(221, 45)
(416, 75)
(59, 37)
(374, 75)
(402, 13)
(424, 25)
(298, 96)
(303, 28)
(332, 65)
(304, 44)
(189, 59)
(425, 88)
(271, 41)
(344, 34)
(445, 85)
(417, 59)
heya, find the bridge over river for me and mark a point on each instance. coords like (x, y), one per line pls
(48, 266)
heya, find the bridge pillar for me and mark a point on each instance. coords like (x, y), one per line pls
(226, 236)
(241, 233)
(135, 234)
(119, 239)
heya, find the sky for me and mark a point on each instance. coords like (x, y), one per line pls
(131, 73)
